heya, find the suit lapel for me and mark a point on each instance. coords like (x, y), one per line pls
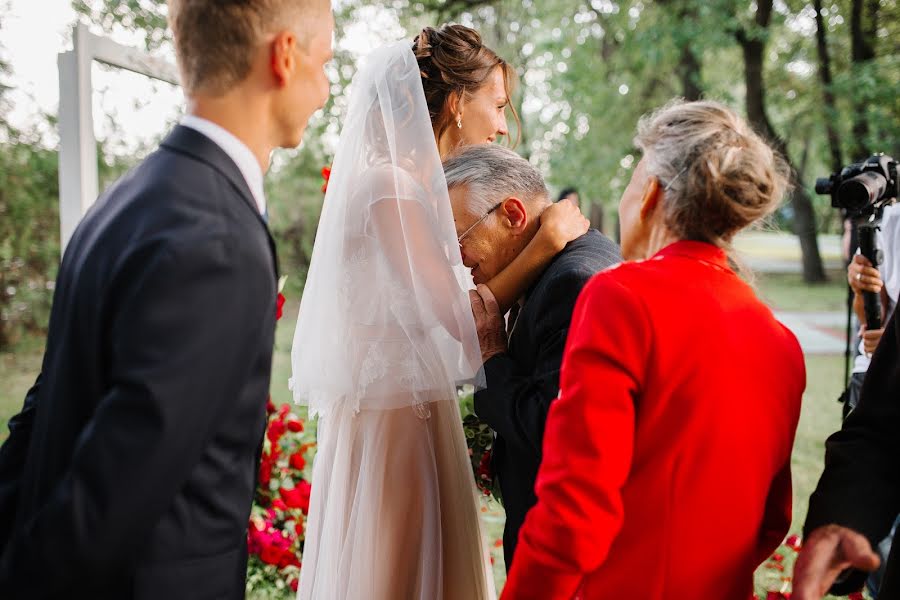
(512, 319)
(188, 141)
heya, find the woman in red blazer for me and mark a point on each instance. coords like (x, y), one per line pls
(666, 464)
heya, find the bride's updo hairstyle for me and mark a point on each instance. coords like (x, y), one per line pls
(453, 59)
(721, 175)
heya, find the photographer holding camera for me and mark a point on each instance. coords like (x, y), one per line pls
(858, 496)
(883, 280)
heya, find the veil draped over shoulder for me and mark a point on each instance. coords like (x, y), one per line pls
(385, 319)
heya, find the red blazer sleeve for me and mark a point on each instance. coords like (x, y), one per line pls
(588, 445)
(777, 519)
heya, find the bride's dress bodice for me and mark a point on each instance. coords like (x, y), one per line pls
(391, 352)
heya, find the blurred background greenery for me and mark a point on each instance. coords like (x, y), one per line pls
(819, 78)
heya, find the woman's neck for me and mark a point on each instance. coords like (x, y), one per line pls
(660, 237)
(445, 143)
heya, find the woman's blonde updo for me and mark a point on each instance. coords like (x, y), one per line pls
(719, 174)
(453, 58)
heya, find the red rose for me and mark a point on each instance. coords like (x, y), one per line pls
(265, 471)
(279, 504)
(270, 406)
(297, 461)
(286, 559)
(276, 430)
(279, 306)
(271, 555)
(794, 542)
(253, 539)
(295, 425)
(294, 583)
(293, 559)
(298, 496)
(326, 175)
(299, 528)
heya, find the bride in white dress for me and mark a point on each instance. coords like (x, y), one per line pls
(384, 336)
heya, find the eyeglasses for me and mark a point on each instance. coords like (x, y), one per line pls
(477, 223)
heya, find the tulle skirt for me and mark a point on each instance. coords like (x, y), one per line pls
(394, 513)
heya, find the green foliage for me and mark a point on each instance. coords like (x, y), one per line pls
(588, 71)
(29, 227)
(29, 234)
(145, 16)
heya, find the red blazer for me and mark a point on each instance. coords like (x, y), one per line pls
(666, 464)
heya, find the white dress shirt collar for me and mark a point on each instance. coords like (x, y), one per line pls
(237, 151)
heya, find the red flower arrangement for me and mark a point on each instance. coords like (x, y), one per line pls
(278, 517)
(275, 534)
(480, 440)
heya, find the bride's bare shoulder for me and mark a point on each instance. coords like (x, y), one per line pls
(381, 182)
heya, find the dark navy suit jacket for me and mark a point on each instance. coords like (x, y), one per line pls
(522, 382)
(130, 471)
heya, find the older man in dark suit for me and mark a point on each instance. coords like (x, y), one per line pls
(522, 368)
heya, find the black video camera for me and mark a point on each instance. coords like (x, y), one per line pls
(863, 187)
(863, 190)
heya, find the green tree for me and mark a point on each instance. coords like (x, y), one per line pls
(590, 68)
(29, 225)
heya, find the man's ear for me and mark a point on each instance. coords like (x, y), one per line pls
(513, 214)
(651, 198)
(283, 58)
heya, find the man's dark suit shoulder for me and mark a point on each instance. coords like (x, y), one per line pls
(171, 203)
(580, 260)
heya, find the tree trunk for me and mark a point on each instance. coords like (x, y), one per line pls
(689, 64)
(689, 69)
(834, 140)
(861, 51)
(804, 217)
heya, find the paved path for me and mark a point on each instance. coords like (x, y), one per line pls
(779, 252)
(818, 333)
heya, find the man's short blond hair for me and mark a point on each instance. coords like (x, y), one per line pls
(216, 40)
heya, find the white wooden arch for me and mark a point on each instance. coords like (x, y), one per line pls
(78, 182)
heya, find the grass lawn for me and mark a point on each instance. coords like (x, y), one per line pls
(788, 292)
(820, 415)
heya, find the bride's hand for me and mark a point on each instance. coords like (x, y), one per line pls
(561, 223)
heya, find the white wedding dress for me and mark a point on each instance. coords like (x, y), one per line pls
(385, 334)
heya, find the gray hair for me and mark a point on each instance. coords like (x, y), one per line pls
(492, 173)
(719, 176)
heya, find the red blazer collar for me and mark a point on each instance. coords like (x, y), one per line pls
(702, 251)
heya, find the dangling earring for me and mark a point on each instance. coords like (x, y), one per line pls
(459, 123)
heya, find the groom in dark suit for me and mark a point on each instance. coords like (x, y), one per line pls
(130, 471)
(522, 368)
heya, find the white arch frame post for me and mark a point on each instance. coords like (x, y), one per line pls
(78, 182)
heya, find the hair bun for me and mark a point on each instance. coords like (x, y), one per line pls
(731, 176)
